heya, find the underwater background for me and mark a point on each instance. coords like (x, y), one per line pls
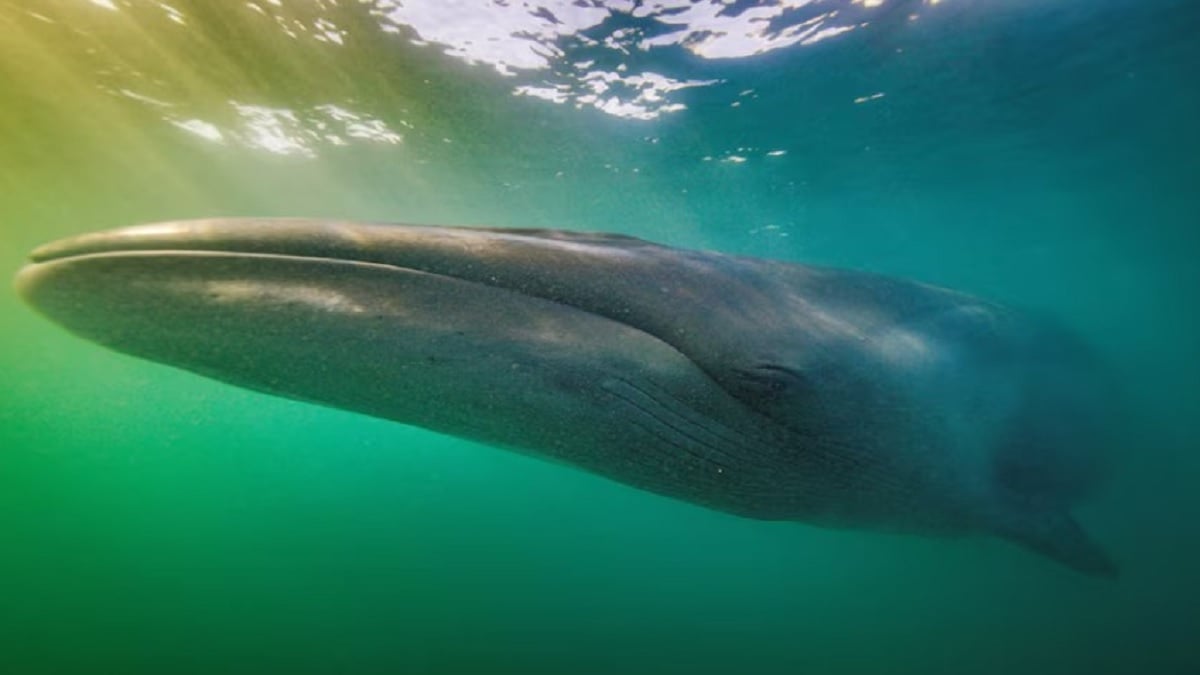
(1041, 153)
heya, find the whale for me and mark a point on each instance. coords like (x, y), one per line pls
(763, 388)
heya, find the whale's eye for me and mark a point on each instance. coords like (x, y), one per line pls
(767, 381)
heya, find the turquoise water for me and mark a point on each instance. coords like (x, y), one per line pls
(1040, 153)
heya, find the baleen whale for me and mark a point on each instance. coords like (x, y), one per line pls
(761, 388)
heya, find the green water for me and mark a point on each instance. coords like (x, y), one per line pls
(1041, 153)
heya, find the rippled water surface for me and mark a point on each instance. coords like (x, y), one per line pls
(1041, 153)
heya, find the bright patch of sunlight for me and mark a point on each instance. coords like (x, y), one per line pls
(200, 128)
(564, 40)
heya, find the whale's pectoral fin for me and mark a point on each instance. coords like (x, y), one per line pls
(1055, 534)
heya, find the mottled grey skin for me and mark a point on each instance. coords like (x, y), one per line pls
(761, 388)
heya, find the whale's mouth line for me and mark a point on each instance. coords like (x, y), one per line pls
(78, 248)
(116, 253)
(335, 240)
(60, 254)
(28, 275)
(464, 255)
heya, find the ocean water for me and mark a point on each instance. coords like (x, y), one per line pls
(1041, 153)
